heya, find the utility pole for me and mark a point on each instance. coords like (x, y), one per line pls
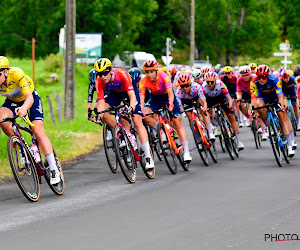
(70, 72)
(192, 34)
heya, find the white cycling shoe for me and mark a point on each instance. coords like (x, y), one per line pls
(240, 145)
(291, 151)
(212, 137)
(54, 177)
(149, 163)
(247, 123)
(264, 136)
(295, 145)
(187, 158)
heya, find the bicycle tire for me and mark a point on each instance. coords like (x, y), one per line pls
(109, 150)
(15, 159)
(167, 150)
(233, 140)
(58, 188)
(274, 142)
(227, 140)
(124, 155)
(212, 151)
(284, 149)
(255, 133)
(183, 164)
(153, 140)
(293, 121)
(221, 140)
(199, 144)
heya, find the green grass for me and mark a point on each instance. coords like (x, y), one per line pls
(69, 138)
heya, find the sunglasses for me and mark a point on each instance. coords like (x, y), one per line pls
(227, 73)
(262, 77)
(185, 86)
(210, 82)
(2, 73)
(103, 73)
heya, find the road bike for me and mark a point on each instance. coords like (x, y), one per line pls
(27, 163)
(291, 114)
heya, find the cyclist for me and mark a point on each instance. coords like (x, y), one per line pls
(216, 92)
(289, 88)
(243, 93)
(204, 70)
(229, 79)
(21, 97)
(119, 85)
(92, 89)
(196, 74)
(173, 73)
(162, 94)
(187, 93)
(265, 89)
(253, 67)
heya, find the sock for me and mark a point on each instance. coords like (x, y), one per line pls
(248, 116)
(292, 135)
(51, 161)
(155, 126)
(237, 134)
(185, 145)
(209, 128)
(214, 122)
(266, 122)
(289, 139)
(241, 117)
(298, 120)
(146, 148)
(263, 130)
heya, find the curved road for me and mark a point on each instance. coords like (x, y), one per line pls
(228, 205)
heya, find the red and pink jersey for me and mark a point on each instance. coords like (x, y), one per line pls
(242, 85)
(157, 88)
(121, 83)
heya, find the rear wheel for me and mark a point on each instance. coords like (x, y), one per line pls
(183, 164)
(109, 148)
(23, 169)
(212, 151)
(167, 150)
(256, 133)
(150, 173)
(227, 140)
(124, 154)
(199, 143)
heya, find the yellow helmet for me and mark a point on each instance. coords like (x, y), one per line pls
(164, 69)
(182, 70)
(228, 69)
(291, 72)
(102, 64)
(4, 63)
(253, 65)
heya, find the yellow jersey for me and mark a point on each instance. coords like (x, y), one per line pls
(17, 85)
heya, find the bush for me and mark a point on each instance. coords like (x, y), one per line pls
(53, 62)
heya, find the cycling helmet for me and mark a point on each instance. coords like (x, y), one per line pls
(164, 69)
(276, 73)
(291, 72)
(262, 70)
(253, 65)
(204, 70)
(285, 74)
(93, 75)
(102, 64)
(184, 78)
(245, 70)
(196, 73)
(298, 79)
(227, 69)
(173, 71)
(150, 65)
(4, 63)
(211, 76)
(136, 74)
(182, 70)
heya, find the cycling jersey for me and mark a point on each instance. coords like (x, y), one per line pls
(196, 91)
(17, 85)
(157, 88)
(258, 91)
(220, 89)
(290, 88)
(241, 85)
(230, 83)
(121, 83)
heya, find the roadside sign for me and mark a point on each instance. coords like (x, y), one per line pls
(282, 54)
(164, 58)
(284, 46)
(287, 62)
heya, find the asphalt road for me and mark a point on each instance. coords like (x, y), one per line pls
(227, 205)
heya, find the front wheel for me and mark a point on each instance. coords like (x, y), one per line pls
(109, 148)
(274, 142)
(23, 169)
(199, 143)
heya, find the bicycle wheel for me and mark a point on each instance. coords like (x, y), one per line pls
(153, 140)
(254, 130)
(167, 150)
(293, 119)
(222, 143)
(233, 140)
(212, 151)
(227, 141)
(109, 148)
(124, 154)
(23, 169)
(183, 164)
(284, 148)
(58, 188)
(199, 143)
(274, 142)
(150, 173)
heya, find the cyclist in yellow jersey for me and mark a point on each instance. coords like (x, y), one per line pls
(21, 97)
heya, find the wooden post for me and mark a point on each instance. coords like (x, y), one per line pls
(51, 109)
(59, 107)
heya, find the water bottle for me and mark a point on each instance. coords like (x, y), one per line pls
(132, 140)
(36, 153)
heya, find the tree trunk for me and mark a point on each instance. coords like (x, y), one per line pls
(70, 79)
